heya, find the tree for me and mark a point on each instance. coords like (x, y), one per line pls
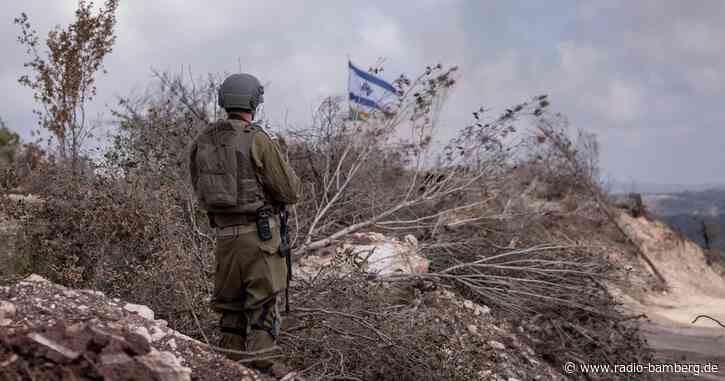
(710, 230)
(9, 143)
(63, 77)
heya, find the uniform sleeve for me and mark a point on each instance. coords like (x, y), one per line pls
(277, 176)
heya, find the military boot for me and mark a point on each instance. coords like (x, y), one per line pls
(262, 341)
(233, 334)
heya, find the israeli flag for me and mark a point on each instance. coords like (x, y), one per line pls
(368, 92)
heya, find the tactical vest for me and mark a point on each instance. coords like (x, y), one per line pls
(226, 180)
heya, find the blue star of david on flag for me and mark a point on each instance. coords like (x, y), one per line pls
(366, 89)
(368, 92)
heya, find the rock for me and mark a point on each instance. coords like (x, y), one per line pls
(88, 336)
(36, 278)
(496, 345)
(75, 329)
(141, 310)
(94, 292)
(477, 309)
(448, 294)
(367, 252)
(472, 329)
(115, 358)
(9, 361)
(143, 332)
(165, 366)
(120, 366)
(481, 310)
(55, 351)
(7, 310)
(137, 344)
(157, 334)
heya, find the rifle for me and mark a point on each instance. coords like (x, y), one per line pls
(284, 250)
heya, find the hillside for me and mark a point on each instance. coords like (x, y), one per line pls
(694, 287)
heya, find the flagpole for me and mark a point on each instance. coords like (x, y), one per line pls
(349, 101)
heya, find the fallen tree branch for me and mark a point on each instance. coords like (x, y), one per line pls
(708, 317)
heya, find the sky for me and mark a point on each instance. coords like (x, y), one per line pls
(647, 77)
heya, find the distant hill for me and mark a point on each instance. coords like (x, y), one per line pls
(657, 188)
(686, 211)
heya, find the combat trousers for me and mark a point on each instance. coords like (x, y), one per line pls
(249, 275)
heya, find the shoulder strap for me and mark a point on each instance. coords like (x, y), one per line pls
(258, 126)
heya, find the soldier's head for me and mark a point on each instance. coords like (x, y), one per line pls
(241, 94)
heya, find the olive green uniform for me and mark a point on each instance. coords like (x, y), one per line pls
(249, 272)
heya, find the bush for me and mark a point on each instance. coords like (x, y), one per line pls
(131, 227)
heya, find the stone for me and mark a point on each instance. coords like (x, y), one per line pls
(165, 366)
(472, 329)
(143, 332)
(370, 252)
(481, 310)
(36, 278)
(496, 345)
(75, 329)
(137, 343)
(7, 310)
(115, 359)
(157, 334)
(141, 310)
(55, 351)
(468, 304)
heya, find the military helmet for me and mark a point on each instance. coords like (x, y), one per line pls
(241, 91)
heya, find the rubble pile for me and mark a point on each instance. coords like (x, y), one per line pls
(50, 332)
(505, 352)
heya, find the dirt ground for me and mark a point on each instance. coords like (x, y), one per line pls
(693, 289)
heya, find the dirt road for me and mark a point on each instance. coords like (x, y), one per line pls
(685, 345)
(675, 339)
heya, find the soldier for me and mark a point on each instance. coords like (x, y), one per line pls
(242, 181)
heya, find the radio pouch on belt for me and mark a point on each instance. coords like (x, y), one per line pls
(263, 229)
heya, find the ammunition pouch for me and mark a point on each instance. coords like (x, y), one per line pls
(264, 229)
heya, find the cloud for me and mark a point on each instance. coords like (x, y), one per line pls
(646, 76)
(623, 102)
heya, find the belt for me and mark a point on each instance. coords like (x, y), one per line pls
(233, 231)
